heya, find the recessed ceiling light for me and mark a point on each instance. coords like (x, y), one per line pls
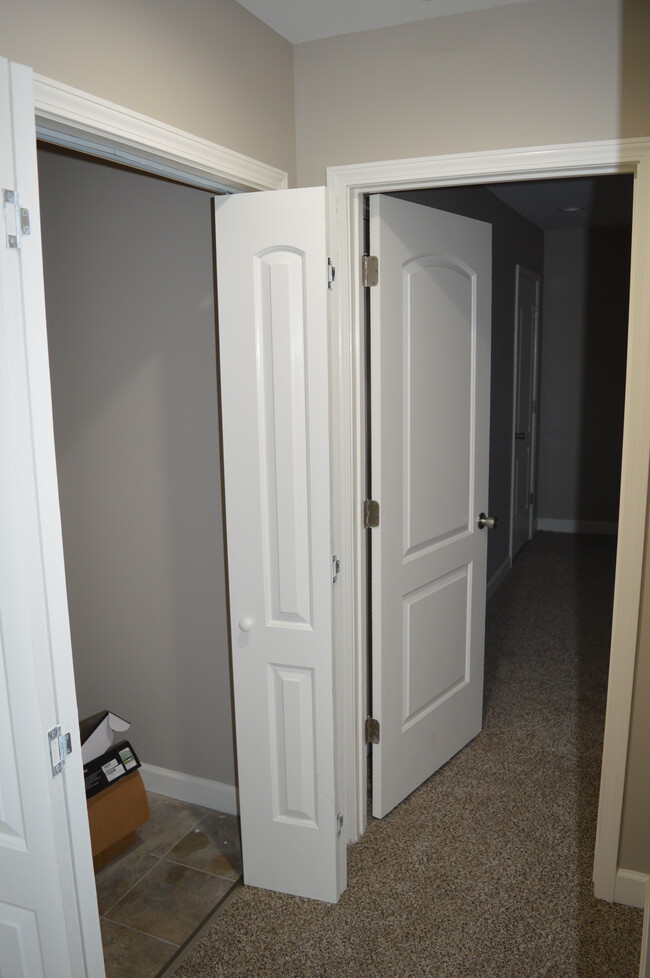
(570, 210)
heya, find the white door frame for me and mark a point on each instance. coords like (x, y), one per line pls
(349, 184)
(521, 271)
(92, 125)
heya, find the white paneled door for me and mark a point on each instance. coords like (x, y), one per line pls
(48, 927)
(430, 371)
(526, 325)
(272, 282)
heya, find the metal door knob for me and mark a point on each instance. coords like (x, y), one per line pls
(245, 624)
(489, 521)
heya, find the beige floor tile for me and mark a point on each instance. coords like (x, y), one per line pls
(169, 822)
(128, 954)
(116, 879)
(213, 846)
(170, 902)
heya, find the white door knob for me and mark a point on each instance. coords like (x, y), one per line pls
(245, 624)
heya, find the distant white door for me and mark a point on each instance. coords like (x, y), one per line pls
(272, 280)
(525, 413)
(48, 929)
(430, 389)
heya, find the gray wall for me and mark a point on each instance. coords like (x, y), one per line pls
(514, 241)
(130, 307)
(582, 391)
(208, 67)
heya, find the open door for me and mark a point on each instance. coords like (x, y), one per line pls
(49, 925)
(430, 388)
(272, 283)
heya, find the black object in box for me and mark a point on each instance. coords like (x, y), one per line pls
(116, 763)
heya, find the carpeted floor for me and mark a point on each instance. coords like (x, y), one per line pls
(485, 870)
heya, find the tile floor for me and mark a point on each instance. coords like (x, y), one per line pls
(155, 895)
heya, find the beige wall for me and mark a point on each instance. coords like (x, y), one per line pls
(548, 71)
(129, 290)
(206, 66)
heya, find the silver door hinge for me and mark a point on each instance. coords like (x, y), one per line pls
(370, 514)
(331, 274)
(369, 271)
(16, 218)
(339, 825)
(372, 731)
(336, 568)
(60, 746)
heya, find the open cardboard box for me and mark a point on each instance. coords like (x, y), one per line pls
(114, 815)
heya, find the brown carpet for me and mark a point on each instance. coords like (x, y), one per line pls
(485, 870)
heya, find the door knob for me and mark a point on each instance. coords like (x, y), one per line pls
(520, 434)
(245, 624)
(489, 521)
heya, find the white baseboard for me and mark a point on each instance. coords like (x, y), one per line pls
(186, 787)
(630, 888)
(576, 526)
(497, 578)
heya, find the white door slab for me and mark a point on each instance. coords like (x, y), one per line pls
(272, 283)
(430, 367)
(49, 925)
(525, 430)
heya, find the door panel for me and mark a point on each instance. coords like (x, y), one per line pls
(273, 339)
(527, 314)
(430, 350)
(48, 929)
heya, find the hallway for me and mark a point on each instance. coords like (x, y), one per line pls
(485, 870)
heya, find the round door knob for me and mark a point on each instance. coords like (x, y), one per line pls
(245, 624)
(490, 521)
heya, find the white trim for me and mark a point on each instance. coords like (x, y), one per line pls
(522, 272)
(498, 577)
(90, 124)
(630, 888)
(576, 526)
(187, 787)
(580, 159)
(644, 963)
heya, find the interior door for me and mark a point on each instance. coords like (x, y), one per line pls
(49, 925)
(272, 284)
(430, 371)
(527, 314)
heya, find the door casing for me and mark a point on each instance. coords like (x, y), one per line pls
(85, 122)
(349, 184)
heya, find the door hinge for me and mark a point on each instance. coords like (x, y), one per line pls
(331, 274)
(60, 746)
(336, 568)
(532, 497)
(369, 271)
(16, 218)
(339, 825)
(370, 514)
(372, 730)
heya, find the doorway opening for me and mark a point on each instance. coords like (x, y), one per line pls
(577, 233)
(130, 296)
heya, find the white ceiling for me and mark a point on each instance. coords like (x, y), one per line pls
(308, 20)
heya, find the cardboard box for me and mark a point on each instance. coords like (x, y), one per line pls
(114, 815)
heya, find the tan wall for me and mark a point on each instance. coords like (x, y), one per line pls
(524, 74)
(206, 66)
(634, 850)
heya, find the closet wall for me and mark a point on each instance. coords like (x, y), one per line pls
(129, 290)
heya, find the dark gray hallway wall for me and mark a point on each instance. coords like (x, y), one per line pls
(514, 241)
(130, 308)
(584, 342)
